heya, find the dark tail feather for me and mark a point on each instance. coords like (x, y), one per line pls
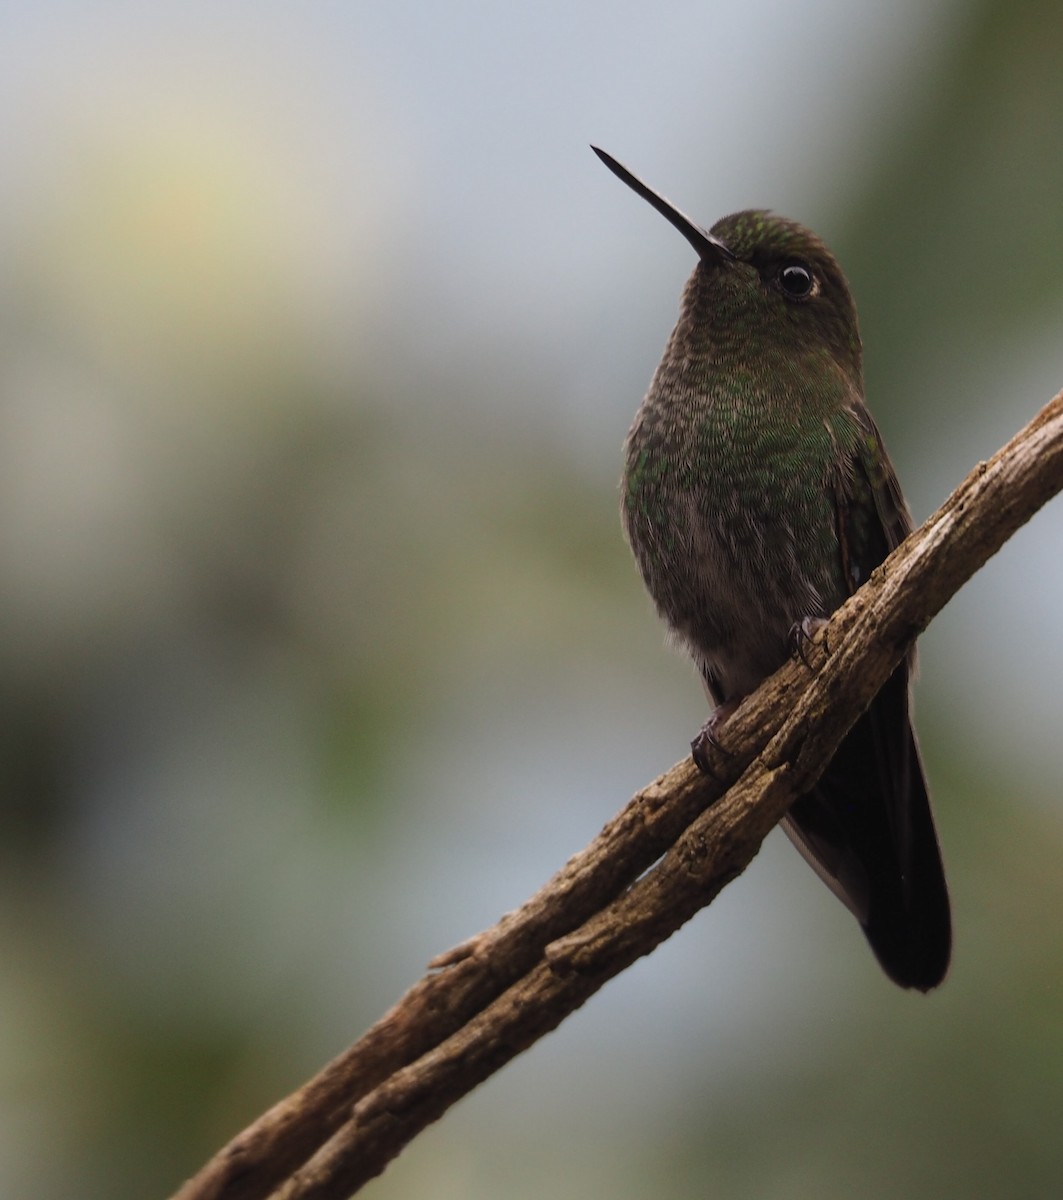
(910, 926)
(868, 831)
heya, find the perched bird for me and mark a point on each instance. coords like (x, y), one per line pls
(757, 495)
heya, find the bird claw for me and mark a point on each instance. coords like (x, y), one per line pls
(707, 739)
(801, 633)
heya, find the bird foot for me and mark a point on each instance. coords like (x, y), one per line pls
(801, 633)
(707, 738)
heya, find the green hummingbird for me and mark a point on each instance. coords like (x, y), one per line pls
(757, 495)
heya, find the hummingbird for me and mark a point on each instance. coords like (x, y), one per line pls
(757, 495)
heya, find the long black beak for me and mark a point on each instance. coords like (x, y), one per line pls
(709, 248)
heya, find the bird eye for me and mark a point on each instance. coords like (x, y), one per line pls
(796, 281)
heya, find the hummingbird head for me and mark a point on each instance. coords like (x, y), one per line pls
(764, 279)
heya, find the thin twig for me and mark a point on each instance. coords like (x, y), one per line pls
(498, 993)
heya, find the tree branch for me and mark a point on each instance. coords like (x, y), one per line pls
(493, 996)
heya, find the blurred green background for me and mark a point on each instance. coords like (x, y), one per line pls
(319, 644)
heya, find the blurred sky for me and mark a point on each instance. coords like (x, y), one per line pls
(321, 330)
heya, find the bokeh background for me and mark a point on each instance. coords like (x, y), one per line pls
(319, 645)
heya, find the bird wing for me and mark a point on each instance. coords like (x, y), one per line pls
(871, 515)
(866, 828)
